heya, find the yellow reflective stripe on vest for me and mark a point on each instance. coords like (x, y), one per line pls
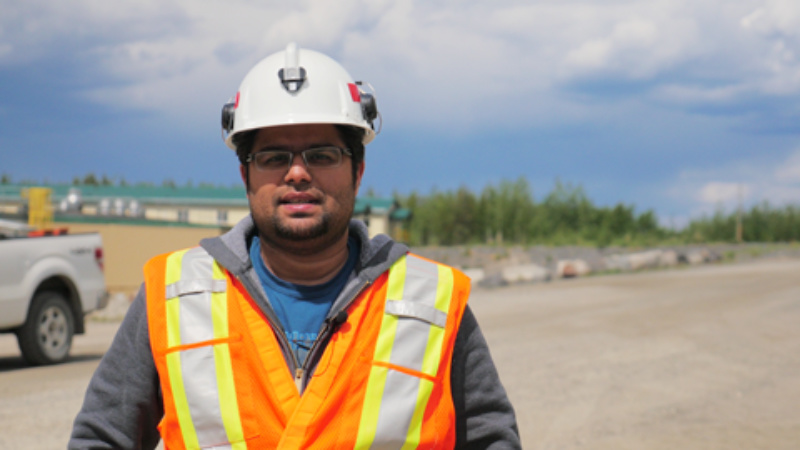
(407, 354)
(201, 377)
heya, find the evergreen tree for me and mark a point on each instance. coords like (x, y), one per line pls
(90, 180)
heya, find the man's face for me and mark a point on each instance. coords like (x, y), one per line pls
(300, 209)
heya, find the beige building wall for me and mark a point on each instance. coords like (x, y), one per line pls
(378, 225)
(205, 216)
(6, 208)
(200, 216)
(236, 215)
(164, 214)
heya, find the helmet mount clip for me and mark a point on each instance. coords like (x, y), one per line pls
(292, 78)
(292, 75)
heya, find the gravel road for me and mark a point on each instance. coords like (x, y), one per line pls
(701, 358)
(698, 358)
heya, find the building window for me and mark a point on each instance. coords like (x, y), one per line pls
(183, 215)
(222, 216)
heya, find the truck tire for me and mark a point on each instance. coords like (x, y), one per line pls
(46, 336)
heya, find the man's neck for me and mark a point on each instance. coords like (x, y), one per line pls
(305, 269)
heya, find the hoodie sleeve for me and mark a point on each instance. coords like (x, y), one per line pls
(484, 416)
(122, 405)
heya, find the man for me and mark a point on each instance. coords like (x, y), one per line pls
(295, 329)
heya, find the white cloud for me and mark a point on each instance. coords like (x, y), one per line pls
(635, 48)
(439, 63)
(774, 17)
(36, 28)
(698, 95)
(720, 192)
(749, 182)
(775, 25)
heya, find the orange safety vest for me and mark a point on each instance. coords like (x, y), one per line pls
(383, 381)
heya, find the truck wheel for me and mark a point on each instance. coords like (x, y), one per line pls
(46, 336)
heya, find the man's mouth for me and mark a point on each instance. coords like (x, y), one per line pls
(299, 203)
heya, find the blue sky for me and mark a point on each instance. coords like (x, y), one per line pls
(680, 106)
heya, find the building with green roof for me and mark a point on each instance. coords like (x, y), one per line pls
(195, 206)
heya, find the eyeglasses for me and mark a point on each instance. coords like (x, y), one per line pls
(315, 158)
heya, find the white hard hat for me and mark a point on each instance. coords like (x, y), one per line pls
(298, 86)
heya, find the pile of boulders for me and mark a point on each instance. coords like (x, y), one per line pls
(654, 259)
(499, 266)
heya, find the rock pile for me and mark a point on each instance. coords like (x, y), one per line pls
(500, 266)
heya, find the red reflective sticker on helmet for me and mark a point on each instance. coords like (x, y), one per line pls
(236, 105)
(354, 92)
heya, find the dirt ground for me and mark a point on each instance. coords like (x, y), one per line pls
(705, 357)
(700, 358)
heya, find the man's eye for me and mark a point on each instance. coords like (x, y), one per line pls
(272, 159)
(322, 157)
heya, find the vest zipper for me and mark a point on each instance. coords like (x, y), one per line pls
(301, 371)
(279, 333)
(298, 379)
(327, 330)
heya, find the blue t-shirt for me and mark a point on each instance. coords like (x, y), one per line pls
(302, 309)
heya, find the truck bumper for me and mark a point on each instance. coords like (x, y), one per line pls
(102, 299)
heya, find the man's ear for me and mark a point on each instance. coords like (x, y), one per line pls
(245, 178)
(359, 174)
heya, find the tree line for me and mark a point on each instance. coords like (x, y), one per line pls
(507, 213)
(761, 223)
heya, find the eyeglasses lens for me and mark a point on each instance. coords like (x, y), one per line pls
(317, 157)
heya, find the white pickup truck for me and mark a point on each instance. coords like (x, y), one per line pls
(49, 281)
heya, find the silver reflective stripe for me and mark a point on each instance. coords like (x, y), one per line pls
(200, 382)
(397, 408)
(414, 310)
(184, 287)
(411, 339)
(196, 320)
(199, 303)
(416, 315)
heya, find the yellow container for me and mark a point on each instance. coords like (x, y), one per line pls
(40, 208)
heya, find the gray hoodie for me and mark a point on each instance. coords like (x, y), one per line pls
(123, 403)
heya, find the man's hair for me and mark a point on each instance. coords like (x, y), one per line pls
(352, 137)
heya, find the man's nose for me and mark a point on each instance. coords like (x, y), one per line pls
(297, 169)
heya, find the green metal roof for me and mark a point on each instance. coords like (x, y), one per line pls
(375, 205)
(401, 214)
(157, 194)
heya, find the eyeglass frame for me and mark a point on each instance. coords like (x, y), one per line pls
(342, 151)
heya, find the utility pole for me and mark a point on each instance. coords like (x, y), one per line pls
(739, 217)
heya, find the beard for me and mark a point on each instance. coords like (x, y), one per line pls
(284, 231)
(301, 240)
